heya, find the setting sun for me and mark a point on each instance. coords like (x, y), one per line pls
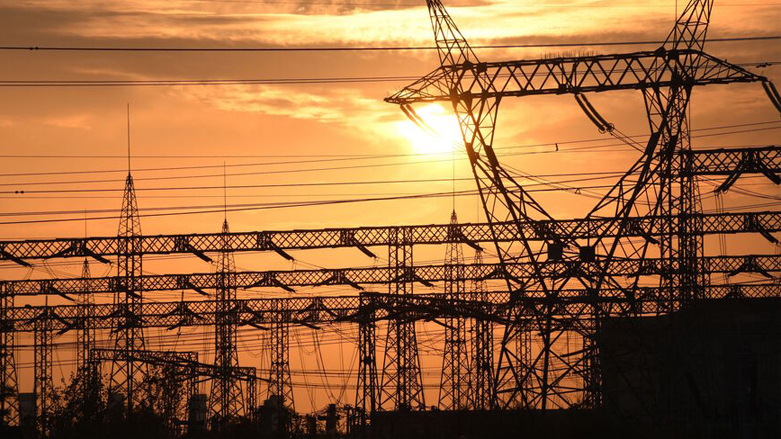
(444, 134)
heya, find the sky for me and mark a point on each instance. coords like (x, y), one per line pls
(66, 147)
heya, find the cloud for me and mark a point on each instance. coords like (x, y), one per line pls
(345, 108)
(79, 121)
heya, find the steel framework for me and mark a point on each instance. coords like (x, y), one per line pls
(638, 251)
(356, 278)
(129, 336)
(455, 384)
(226, 399)
(658, 184)
(361, 238)
(85, 336)
(482, 348)
(401, 386)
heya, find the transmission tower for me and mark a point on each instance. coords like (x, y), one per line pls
(366, 392)
(401, 386)
(43, 373)
(126, 374)
(531, 373)
(9, 388)
(43, 383)
(226, 400)
(85, 336)
(280, 384)
(482, 349)
(455, 383)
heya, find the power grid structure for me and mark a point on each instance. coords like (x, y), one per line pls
(638, 252)
(658, 183)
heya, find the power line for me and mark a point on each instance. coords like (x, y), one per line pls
(457, 5)
(346, 156)
(245, 81)
(556, 186)
(39, 48)
(540, 183)
(376, 165)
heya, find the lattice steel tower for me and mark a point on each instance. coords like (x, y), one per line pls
(85, 336)
(226, 399)
(658, 185)
(127, 375)
(455, 383)
(482, 348)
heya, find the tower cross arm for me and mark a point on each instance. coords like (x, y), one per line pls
(570, 75)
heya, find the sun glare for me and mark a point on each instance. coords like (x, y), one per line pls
(446, 135)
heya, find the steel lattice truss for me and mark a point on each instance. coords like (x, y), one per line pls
(364, 308)
(357, 277)
(362, 237)
(125, 375)
(639, 251)
(182, 370)
(660, 183)
(226, 398)
(455, 383)
(631, 71)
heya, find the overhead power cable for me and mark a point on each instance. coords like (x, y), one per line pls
(43, 48)
(362, 166)
(244, 81)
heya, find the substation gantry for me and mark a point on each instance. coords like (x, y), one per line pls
(558, 276)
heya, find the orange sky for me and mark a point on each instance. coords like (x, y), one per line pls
(323, 126)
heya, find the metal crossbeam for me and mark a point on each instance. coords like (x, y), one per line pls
(534, 230)
(492, 306)
(426, 274)
(584, 74)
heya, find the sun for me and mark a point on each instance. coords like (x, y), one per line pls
(444, 135)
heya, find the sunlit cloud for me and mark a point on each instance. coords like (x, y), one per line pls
(278, 24)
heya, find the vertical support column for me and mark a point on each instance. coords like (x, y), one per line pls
(591, 365)
(128, 374)
(226, 400)
(9, 388)
(43, 385)
(455, 383)
(251, 401)
(280, 384)
(401, 381)
(482, 350)
(85, 336)
(366, 396)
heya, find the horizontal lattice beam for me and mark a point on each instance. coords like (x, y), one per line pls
(355, 277)
(363, 237)
(570, 305)
(570, 75)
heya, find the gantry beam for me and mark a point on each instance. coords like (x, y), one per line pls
(313, 311)
(362, 237)
(179, 359)
(186, 370)
(356, 277)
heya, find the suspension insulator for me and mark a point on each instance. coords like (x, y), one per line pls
(413, 116)
(772, 93)
(597, 119)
